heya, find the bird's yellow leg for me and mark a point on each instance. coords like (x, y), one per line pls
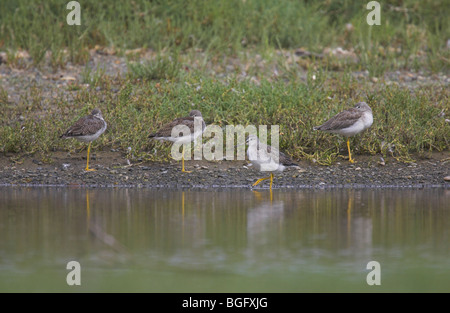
(87, 162)
(349, 153)
(260, 180)
(271, 181)
(182, 163)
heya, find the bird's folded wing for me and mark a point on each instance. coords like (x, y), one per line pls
(166, 130)
(85, 126)
(342, 120)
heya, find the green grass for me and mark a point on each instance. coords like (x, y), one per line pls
(200, 50)
(412, 34)
(163, 67)
(406, 124)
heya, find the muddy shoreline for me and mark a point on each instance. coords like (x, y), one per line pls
(113, 170)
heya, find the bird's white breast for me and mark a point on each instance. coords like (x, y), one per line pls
(183, 139)
(367, 119)
(264, 161)
(89, 138)
(364, 122)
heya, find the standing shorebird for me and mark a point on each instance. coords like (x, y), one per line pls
(87, 129)
(165, 132)
(349, 123)
(266, 158)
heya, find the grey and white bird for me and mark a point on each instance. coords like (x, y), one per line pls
(87, 129)
(266, 158)
(165, 132)
(349, 123)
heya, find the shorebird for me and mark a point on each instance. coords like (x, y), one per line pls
(349, 123)
(87, 129)
(266, 158)
(165, 132)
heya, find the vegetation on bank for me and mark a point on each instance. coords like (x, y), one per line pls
(194, 42)
(412, 33)
(405, 123)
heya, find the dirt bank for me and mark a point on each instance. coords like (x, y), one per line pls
(113, 170)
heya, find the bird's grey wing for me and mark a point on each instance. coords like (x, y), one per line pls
(189, 122)
(282, 158)
(85, 126)
(285, 160)
(342, 120)
(166, 130)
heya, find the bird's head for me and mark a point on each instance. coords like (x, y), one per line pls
(195, 113)
(251, 139)
(362, 106)
(97, 113)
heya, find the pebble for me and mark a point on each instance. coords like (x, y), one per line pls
(447, 178)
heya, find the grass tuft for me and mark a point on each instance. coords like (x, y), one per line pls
(163, 67)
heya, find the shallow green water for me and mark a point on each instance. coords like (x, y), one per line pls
(224, 241)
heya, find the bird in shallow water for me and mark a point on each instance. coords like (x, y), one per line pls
(87, 129)
(349, 123)
(266, 158)
(165, 132)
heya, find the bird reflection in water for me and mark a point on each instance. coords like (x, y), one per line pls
(265, 219)
(97, 231)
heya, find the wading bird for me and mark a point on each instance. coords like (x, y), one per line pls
(266, 158)
(87, 129)
(349, 123)
(165, 132)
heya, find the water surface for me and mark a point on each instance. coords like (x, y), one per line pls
(224, 241)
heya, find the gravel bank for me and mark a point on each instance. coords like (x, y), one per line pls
(113, 171)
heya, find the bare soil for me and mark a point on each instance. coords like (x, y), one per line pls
(114, 170)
